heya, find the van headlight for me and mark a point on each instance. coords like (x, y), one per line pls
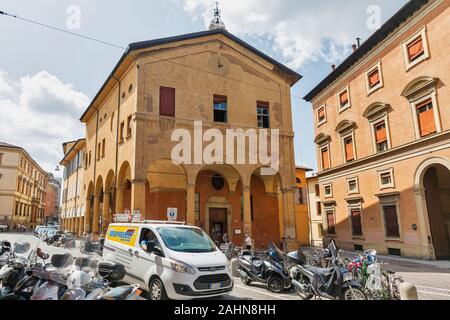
(181, 267)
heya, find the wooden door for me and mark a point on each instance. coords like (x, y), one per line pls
(438, 227)
(218, 224)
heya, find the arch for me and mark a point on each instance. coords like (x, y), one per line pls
(99, 185)
(376, 108)
(424, 166)
(345, 125)
(164, 174)
(418, 84)
(271, 183)
(231, 175)
(322, 138)
(109, 181)
(124, 173)
(90, 189)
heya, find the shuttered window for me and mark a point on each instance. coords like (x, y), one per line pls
(321, 115)
(415, 49)
(427, 124)
(374, 78)
(167, 102)
(356, 222)
(325, 159)
(343, 98)
(349, 154)
(381, 136)
(330, 222)
(391, 221)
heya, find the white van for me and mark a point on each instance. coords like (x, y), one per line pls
(169, 260)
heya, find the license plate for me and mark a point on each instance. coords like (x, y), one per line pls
(215, 286)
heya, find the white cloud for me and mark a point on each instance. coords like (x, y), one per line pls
(302, 31)
(38, 113)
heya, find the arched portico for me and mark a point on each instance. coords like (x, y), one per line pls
(89, 208)
(431, 188)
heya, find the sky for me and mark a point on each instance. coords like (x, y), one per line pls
(48, 78)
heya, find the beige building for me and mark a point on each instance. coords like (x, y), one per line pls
(162, 85)
(73, 202)
(383, 137)
(22, 188)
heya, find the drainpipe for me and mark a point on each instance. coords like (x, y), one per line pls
(95, 165)
(116, 174)
(308, 200)
(76, 188)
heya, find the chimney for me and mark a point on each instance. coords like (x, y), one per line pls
(355, 47)
(333, 66)
(358, 41)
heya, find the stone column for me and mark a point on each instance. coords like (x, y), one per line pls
(87, 216)
(247, 211)
(289, 218)
(80, 226)
(138, 196)
(96, 217)
(119, 199)
(105, 212)
(190, 214)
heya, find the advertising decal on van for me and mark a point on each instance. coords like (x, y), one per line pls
(124, 235)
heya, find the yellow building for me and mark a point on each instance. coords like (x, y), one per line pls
(301, 206)
(22, 188)
(73, 204)
(382, 134)
(162, 85)
(316, 221)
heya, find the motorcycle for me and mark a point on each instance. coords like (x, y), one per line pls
(89, 246)
(54, 276)
(93, 280)
(14, 270)
(269, 270)
(335, 282)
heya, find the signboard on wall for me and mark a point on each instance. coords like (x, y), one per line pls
(172, 214)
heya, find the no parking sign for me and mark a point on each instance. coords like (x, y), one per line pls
(172, 214)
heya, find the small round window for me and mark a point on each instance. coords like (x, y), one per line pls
(218, 182)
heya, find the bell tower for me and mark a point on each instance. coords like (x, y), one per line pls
(217, 22)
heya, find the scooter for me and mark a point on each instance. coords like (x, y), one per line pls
(14, 269)
(335, 283)
(269, 270)
(55, 285)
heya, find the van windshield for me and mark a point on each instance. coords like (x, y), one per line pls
(186, 240)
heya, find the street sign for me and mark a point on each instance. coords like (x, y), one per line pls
(136, 216)
(172, 214)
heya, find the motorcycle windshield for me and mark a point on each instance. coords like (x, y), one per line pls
(275, 253)
(25, 249)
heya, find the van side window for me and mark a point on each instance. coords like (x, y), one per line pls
(146, 236)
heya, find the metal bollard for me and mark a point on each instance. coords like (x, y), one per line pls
(408, 291)
(235, 267)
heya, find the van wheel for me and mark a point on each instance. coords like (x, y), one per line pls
(156, 290)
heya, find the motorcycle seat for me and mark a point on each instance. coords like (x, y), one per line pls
(320, 271)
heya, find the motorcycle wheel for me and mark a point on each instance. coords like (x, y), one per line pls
(354, 294)
(244, 280)
(302, 294)
(275, 284)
